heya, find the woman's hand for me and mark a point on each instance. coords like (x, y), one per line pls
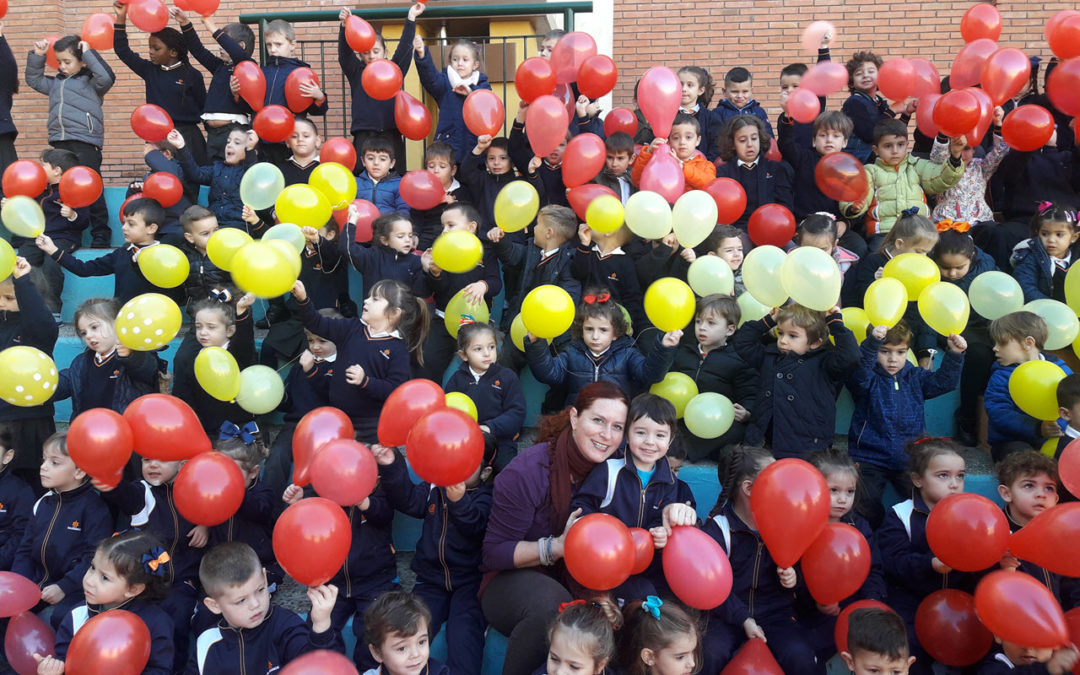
(557, 543)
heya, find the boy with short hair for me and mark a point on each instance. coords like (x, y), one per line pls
(199, 224)
(791, 77)
(16, 500)
(683, 141)
(439, 159)
(618, 153)
(889, 395)
(739, 99)
(304, 143)
(398, 636)
(376, 183)
(726, 242)
(830, 133)
(549, 168)
(279, 38)
(253, 635)
(877, 643)
(1018, 338)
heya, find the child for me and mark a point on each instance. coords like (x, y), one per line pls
(486, 170)
(16, 499)
(280, 43)
(738, 100)
(601, 261)
(388, 257)
(107, 374)
(398, 634)
(726, 241)
(601, 351)
(662, 258)
(76, 120)
(1031, 178)
(820, 230)
(374, 349)
(127, 572)
(761, 604)
(743, 143)
(223, 176)
(161, 158)
(1008, 657)
(1068, 398)
(801, 375)
(199, 223)
(375, 183)
(866, 107)
(580, 640)
(548, 168)
(715, 367)
(463, 75)
(253, 523)
(831, 131)
(253, 634)
(439, 159)
(889, 395)
(371, 117)
(9, 86)
(912, 233)
(1042, 262)
(1018, 338)
(658, 638)
(898, 182)
(62, 532)
(877, 643)
(618, 152)
(304, 143)
(684, 139)
(791, 77)
(697, 94)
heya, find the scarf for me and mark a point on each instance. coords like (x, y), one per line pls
(568, 467)
(456, 80)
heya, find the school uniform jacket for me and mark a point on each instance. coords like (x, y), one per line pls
(153, 508)
(121, 264)
(179, 90)
(305, 391)
(376, 262)
(253, 522)
(16, 502)
(616, 272)
(266, 648)
(370, 563)
(219, 96)
(499, 399)
(276, 71)
(135, 375)
(615, 488)
(536, 270)
(368, 114)
(157, 622)
(1006, 421)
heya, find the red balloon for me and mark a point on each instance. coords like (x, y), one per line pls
(151, 123)
(421, 190)
(1063, 87)
(202, 7)
(80, 186)
(565, 93)
(534, 78)
(754, 658)
(100, 443)
(209, 489)
(827, 77)
(1051, 540)
(790, 501)
(772, 224)
(836, 564)
(445, 447)
(24, 177)
(841, 177)
(659, 97)
(149, 16)
(546, 124)
(1018, 608)
(50, 55)
(803, 105)
(570, 52)
(315, 429)
(1069, 465)
(340, 150)
(927, 79)
(367, 215)
(597, 76)
(163, 187)
(312, 539)
(949, 630)
(620, 119)
(897, 79)
(643, 549)
(28, 635)
(252, 84)
(696, 568)
(924, 114)
(3, 8)
(956, 113)
(17, 594)
(1056, 20)
(730, 198)
(599, 552)
(97, 31)
(1028, 128)
(840, 632)
(1005, 73)
(483, 112)
(986, 116)
(123, 207)
(773, 152)
(1065, 38)
(343, 471)
(411, 117)
(664, 175)
(581, 196)
(583, 159)
(273, 124)
(359, 34)
(968, 64)
(320, 662)
(967, 532)
(381, 79)
(115, 642)
(297, 101)
(165, 428)
(981, 21)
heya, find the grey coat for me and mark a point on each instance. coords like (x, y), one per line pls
(74, 102)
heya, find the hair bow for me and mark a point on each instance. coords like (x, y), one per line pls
(593, 298)
(221, 295)
(1044, 206)
(954, 225)
(652, 605)
(564, 605)
(907, 213)
(246, 433)
(466, 319)
(154, 561)
(931, 438)
(826, 214)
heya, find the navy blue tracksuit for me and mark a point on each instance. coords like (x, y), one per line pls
(266, 648)
(500, 404)
(157, 622)
(16, 502)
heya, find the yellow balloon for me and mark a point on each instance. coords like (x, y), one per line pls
(148, 322)
(287, 232)
(7, 259)
(761, 275)
(23, 216)
(547, 311)
(911, 358)
(1072, 288)
(885, 302)
(693, 217)
(223, 245)
(944, 307)
(28, 376)
(678, 388)
(914, 270)
(648, 215)
(750, 309)
(627, 319)
(1049, 448)
(995, 294)
(303, 205)
(1033, 387)
(261, 389)
(518, 332)
(263, 269)
(335, 182)
(710, 274)
(516, 206)
(457, 251)
(163, 265)
(1076, 346)
(605, 214)
(217, 373)
(290, 254)
(460, 401)
(669, 304)
(811, 278)
(458, 307)
(709, 415)
(856, 321)
(1061, 322)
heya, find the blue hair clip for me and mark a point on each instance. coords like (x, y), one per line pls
(221, 295)
(246, 433)
(652, 605)
(907, 213)
(154, 562)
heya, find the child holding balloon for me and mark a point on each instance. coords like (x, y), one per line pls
(912, 233)
(602, 261)
(743, 144)
(658, 638)
(450, 88)
(697, 94)
(683, 140)
(1041, 263)
(550, 166)
(726, 242)
(223, 176)
(1008, 657)
(199, 224)
(439, 159)
(389, 256)
(866, 107)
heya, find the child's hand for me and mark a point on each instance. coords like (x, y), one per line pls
(581, 105)
(418, 46)
(41, 47)
(1050, 429)
(787, 576)
(84, 46)
(825, 40)
(313, 91)
(322, 602)
(463, 89)
(384, 456)
(354, 374)
(677, 514)
(292, 494)
(1009, 562)
(455, 492)
(926, 363)
(474, 292)
(940, 567)
(659, 537)
(830, 610)
(198, 536)
(366, 504)
(307, 360)
(656, 143)
(120, 10)
(999, 116)
(784, 96)
(584, 234)
(522, 109)
(485, 428)
(1062, 660)
(176, 139)
(67, 212)
(343, 16)
(688, 255)
(180, 16)
(741, 413)
(310, 233)
(52, 594)
(910, 106)
(48, 665)
(234, 85)
(298, 291)
(45, 243)
(834, 311)
(671, 339)
(248, 215)
(482, 144)
(495, 235)
(878, 273)
(22, 267)
(122, 350)
(957, 344)
(879, 332)
(102, 486)
(753, 630)
(671, 240)
(534, 164)
(416, 10)
(246, 300)
(957, 145)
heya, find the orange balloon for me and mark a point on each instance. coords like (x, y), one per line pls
(273, 124)
(597, 76)
(406, 404)
(730, 198)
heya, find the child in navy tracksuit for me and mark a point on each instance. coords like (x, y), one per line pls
(280, 42)
(601, 261)
(389, 255)
(1041, 266)
(831, 131)
(549, 170)
(64, 528)
(447, 560)
(450, 88)
(439, 159)
(866, 106)
(16, 500)
(121, 565)
(223, 176)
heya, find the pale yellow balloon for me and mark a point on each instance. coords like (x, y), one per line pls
(148, 322)
(709, 415)
(710, 274)
(856, 321)
(761, 275)
(518, 332)
(23, 216)
(1061, 322)
(287, 250)
(648, 215)
(995, 294)
(459, 307)
(693, 217)
(811, 278)
(945, 308)
(516, 206)
(28, 377)
(750, 309)
(885, 302)
(460, 401)
(217, 373)
(914, 270)
(669, 304)
(678, 388)
(223, 245)
(261, 389)
(287, 232)
(7, 259)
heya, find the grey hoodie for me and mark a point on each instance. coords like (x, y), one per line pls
(74, 102)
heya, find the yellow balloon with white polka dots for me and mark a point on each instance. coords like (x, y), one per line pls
(28, 376)
(148, 322)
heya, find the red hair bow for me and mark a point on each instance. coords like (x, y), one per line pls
(592, 298)
(564, 605)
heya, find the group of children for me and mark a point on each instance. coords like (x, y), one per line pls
(204, 593)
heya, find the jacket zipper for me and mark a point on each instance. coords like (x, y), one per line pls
(60, 114)
(754, 581)
(176, 533)
(45, 541)
(243, 664)
(348, 582)
(89, 123)
(442, 544)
